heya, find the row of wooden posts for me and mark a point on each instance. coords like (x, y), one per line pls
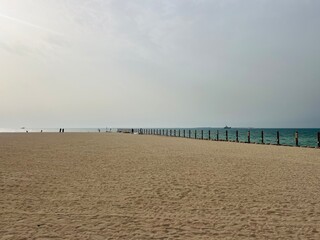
(183, 133)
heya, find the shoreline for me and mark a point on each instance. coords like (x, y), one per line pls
(213, 140)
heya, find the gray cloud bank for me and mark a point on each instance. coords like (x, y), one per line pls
(160, 63)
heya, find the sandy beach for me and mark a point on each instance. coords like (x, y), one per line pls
(123, 186)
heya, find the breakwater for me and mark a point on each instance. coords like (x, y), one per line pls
(282, 137)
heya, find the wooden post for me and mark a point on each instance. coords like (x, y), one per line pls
(189, 133)
(296, 135)
(227, 138)
(217, 135)
(262, 137)
(248, 136)
(184, 133)
(179, 132)
(318, 139)
(202, 134)
(174, 133)
(278, 138)
(237, 136)
(195, 134)
(209, 135)
(166, 132)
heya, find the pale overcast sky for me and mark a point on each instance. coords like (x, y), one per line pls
(159, 63)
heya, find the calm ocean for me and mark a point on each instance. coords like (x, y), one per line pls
(307, 136)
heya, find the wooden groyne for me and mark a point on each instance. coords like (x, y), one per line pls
(187, 133)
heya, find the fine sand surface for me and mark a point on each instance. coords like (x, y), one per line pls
(123, 186)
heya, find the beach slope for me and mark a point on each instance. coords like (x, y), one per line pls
(123, 186)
